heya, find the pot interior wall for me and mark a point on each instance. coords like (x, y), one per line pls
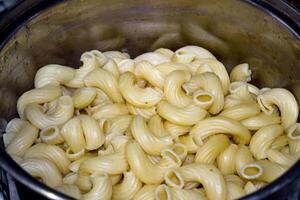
(233, 30)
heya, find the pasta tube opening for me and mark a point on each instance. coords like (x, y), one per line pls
(203, 99)
(51, 135)
(174, 179)
(251, 171)
(163, 192)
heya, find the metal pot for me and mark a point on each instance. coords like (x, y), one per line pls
(264, 33)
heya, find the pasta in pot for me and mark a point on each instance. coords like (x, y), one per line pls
(166, 125)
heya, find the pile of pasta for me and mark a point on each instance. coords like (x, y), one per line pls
(164, 125)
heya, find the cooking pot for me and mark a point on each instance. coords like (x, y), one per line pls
(264, 33)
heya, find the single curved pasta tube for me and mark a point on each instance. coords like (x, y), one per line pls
(281, 158)
(242, 91)
(271, 171)
(43, 169)
(243, 157)
(101, 185)
(173, 90)
(185, 116)
(147, 113)
(211, 83)
(153, 58)
(73, 134)
(50, 152)
(209, 176)
(83, 97)
(164, 51)
(261, 120)
(293, 134)
(203, 99)
(63, 112)
(241, 72)
(140, 97)
(262, 140)
(234, 191)
(53, 75)
(105, 81)
(210, 150)
(109, 111)
(241, 111)
(149, 142)
(280, 142)
(215, 125)
(157, 127)
(141, 166)
(145, 193)
(284, 100)
(70, 190)
(22, 141)
(112, 164)
(38, 96)
(15, 125)
(226, 160)
(176, 130)
(51, 135)
(145, 70)
(93, 135)
(198, 52)
(127, 188)
(212, 65)
(112, 67)
(167, 68)
(182, 56)
(189, 143)
(174, 179)
(74, 155)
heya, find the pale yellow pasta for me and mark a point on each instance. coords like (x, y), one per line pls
(63, 112)
(93, 135)
(39, 95)
(83, 97)
(212, 65)
(164, 51)
(234, 191)
(189, 143)
(271, 170)
(209, 176)
(115, 179)
(242, 91)
(180, 150)
(141, 166)
(15, 125)
(112, 67)
(284, 100)
(106, 151)
(284, 159)
(74, 155)
(198, 52)
(167, 68)
(241, 72)
(261, 120)
(115, 163)
(162, 192)
(154, 159)
(101, 190)
(145, 193)
(50, 152)
(116, 56)
(241, 111)
(157, 127)
(280, 142)
(109, 111)
(22, 141)
(173, 88)
(185, 116)
(84, 182)
(184, 194)
(144, 112)
(145, 70)
(53, 75)
(153, 58)
(8, 137)
(70, 190)
(211, 83)
(129, 186)
(263, 139)
(73, 135)
(170, 159)
(203, 99)
(252, 187)
(105, 81)
(174, 179)
(210, 150)
(293, 134)
(126, 65)
(70, 178)
(118, 126)
(216, 125)
(182, 56)
(226, 160)
(243, 157)
(43, 169)
(93, 59)
(251, 171)
(149, 142)
(234, 179)
(140, 97)
(101, 98)
(51, 135)
(176, 130)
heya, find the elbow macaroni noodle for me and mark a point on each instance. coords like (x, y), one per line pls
(162, 126)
